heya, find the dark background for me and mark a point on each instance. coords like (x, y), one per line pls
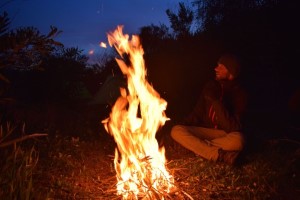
(51, 88)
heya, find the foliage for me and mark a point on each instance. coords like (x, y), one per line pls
(4, 23)
(16, 168)
(16, 174)
(37, 74)
(152, 37)
(25, 48)
(72, 54)
(160, 32)
(210, 13)
(182, 22)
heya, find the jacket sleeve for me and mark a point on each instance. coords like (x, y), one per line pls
(224, 120)
(199, 115)
(194, 117)
(230, 121)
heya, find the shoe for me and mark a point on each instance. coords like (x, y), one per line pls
(228, 157)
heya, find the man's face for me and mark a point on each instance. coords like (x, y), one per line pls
(222, 72)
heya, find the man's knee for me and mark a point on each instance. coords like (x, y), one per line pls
(231, 142)
(237, 141)
(175, 131)
(237, 145)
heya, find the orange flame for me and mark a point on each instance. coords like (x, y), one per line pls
(136, 116)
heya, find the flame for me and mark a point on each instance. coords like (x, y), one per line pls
(136, 116)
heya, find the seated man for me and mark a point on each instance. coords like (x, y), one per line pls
(213, 129)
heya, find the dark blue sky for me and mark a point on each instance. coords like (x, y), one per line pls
(85, 23)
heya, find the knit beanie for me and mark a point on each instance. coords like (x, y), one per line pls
(231, 62)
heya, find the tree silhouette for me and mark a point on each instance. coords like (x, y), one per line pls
(4, 23)
(73, 54)
(24, 47)
(182, 21)
(211, 13)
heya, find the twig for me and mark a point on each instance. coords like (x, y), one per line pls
(189, 196)
(109, 180)
(22, 139)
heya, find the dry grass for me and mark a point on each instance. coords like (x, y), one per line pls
(73, 168)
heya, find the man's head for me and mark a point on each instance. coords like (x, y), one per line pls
(228, 67)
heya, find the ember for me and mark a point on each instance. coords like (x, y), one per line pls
(136, 116)
(102, 44)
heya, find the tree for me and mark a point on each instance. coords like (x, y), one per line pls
(181, 22)
(160, 32)
(211, 13)
(152, 36)
(72, 53)
(4, 23)
(22, 49)
(25, 47)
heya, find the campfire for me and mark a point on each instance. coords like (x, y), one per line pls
(136, 116)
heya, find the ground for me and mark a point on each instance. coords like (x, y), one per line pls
(82, 168)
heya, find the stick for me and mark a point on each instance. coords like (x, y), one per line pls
(22, 139)
(189, 196)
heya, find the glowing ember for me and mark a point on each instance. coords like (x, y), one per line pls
(102, 44)
(91, 52)
(133, 122)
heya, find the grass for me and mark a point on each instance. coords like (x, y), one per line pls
(66, 167)
(17, 167)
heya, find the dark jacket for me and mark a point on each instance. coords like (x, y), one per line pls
(221, 105)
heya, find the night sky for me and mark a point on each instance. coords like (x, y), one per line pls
(85, 23)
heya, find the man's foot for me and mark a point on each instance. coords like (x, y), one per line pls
(227, 157)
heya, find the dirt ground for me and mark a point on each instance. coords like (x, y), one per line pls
(82, 168)
(74, 168)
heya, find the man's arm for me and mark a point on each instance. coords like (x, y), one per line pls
(230, 121)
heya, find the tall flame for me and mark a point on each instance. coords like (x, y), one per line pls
(136, 116)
